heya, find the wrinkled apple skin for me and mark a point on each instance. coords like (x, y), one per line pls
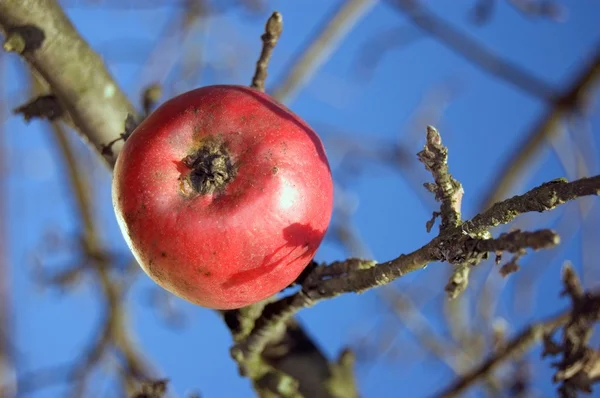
(243, 243)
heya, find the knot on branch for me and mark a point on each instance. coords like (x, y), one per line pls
(23, 39)
(548, 197)
(130, 124)
(465, 251)
(459, 249)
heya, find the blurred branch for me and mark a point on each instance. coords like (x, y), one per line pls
(516, 347)
(471, 50)
(150, 98)
(483, 9)
(577, 321)
(372, 51)
(319, 48)
(570, 101)
(540, 8)
(6, 354)
(41, 33)
(421, 330)
(114, 333)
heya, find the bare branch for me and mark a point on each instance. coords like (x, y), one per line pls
(463, 245)
(543, 198)
(76, 74)
(273, 30)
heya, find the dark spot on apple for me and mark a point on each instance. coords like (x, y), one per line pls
(275, 169)
(130, 217)
(207, 274)
(163, 254)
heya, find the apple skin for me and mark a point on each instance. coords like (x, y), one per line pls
(215, 243)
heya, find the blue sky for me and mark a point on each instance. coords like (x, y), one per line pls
(481, 119)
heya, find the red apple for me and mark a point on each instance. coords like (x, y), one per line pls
(223, 195)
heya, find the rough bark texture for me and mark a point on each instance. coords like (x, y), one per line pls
(44, 36)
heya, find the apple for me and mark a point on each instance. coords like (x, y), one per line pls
(223, 195)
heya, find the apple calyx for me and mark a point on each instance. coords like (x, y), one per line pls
(211, 169)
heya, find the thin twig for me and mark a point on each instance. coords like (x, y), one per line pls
(273, 30)
(543, 198)
(447, 190)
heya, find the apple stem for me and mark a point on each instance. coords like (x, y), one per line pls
(211, 168)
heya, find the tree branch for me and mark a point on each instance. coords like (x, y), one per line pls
(463, 245)
(576, 321)
(43, 35)
(543, 198)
